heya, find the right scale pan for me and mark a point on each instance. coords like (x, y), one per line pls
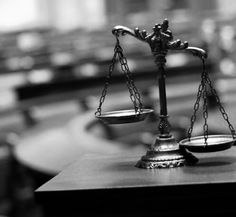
(214, 143)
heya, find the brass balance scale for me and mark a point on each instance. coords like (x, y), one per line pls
(165, 152)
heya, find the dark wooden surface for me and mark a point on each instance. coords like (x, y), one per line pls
(99, 172)
(111, 185)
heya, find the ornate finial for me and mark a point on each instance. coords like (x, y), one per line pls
(161, 37)
(160, 40)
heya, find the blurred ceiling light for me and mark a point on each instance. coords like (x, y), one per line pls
(227, 35)
(88, 70)
(19, 63)
(63, 15)
(226, 8)
(40, 76)
(18, 14)
(208, 29)
(30, 41)
(72, 14)
(8, 99)
(227, 67)
(11, 80)
(62, 58)
(12, 63)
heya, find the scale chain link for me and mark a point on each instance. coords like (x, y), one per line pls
(218, 102)
(205, 109)
(107, 82)
(134, 94)
(195, 108)
(202, 92)
(221, 108)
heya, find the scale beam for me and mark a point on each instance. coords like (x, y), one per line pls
(160, 39)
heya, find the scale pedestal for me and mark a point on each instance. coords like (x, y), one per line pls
(166, 153)
(114, 187)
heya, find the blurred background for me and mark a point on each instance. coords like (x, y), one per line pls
(54, 56)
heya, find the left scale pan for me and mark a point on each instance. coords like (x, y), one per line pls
(124, 116)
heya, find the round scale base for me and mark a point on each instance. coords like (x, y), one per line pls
(160, 164)
(166, 153)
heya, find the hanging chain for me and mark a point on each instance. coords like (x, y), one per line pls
(107, 82)
(202, 92)
(196, 107)
(134, 94)
(219, 104)
(205, 107)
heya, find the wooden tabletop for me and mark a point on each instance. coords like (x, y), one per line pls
(118, 171)
(113, 186)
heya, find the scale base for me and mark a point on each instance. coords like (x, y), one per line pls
(166, 153)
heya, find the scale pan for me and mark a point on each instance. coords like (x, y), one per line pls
(214, 143)
(124, 116)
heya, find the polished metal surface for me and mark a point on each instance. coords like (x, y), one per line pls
(165, 153)
(214, 143)
(124, 116)
(160, 33)
(195, 51)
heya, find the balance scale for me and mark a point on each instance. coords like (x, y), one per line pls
(166, 152)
